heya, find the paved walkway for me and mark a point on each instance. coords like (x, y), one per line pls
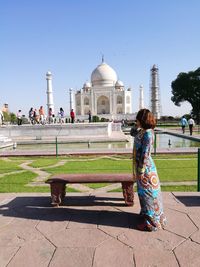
(96, 231)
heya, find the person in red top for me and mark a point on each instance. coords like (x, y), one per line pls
(72, 115)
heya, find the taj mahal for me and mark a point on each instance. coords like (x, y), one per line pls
(105, 95)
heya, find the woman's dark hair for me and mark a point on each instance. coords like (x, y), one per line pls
(146, 119)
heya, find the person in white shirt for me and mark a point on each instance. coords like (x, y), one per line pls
(19, 117)
(191, 125)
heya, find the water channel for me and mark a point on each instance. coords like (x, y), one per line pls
(162, 141)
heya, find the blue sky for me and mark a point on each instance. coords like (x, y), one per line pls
(68, 37)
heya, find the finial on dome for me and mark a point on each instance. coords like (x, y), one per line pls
(102, 60)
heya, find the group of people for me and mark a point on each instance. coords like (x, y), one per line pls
(185, 123)
(37, 116)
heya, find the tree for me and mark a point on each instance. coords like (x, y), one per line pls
(10, 117)
(186, 87)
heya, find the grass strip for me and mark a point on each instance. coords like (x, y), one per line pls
(97, 185)
(166, 188)
(9, 166)
(17, 183)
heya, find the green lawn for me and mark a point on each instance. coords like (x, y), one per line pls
(93, 166)
(9, 166)
(97, 185)
(177, 170)
(44, 162)
(164, 188)
(15, 183)
(170, 168)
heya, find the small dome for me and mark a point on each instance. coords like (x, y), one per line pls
(87, 85)
(154, 67)
(103, 75)
(119, 83)
(48, 75)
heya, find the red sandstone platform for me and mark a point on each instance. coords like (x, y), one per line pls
(96, 230)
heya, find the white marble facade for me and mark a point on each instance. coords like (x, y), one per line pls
(105, 95)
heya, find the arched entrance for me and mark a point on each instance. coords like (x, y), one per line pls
(103, 105)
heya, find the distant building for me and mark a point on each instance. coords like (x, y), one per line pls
(5, 108)
(105, 96)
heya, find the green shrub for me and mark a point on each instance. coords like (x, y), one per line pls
(95, 118)
(104, 120)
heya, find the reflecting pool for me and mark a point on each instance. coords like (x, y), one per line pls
(162, 141)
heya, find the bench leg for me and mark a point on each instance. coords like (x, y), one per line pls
(128, 193)
(57, 193)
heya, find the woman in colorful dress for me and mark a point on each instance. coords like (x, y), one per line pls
(145, 173)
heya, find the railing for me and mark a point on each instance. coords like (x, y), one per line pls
(155, 144)
(198, 171)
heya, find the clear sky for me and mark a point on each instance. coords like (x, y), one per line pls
(68, 37)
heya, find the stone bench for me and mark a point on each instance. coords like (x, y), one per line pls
(58, 184)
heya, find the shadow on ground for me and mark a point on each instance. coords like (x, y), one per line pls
(75, 209)
(189, 201)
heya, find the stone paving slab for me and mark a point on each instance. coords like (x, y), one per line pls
(96, 230)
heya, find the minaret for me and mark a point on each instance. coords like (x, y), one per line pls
(71, 99)
(155, 92)
(141, 97)
(50, 103)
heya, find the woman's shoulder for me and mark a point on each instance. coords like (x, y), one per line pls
(148, 133)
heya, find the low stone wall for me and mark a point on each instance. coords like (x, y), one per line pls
(65, 132)
(5, 141)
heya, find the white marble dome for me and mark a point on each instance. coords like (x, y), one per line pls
(119, 83)
(103, 75)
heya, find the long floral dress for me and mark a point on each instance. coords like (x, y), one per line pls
(148, 184)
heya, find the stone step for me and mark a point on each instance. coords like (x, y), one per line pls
(5, 141)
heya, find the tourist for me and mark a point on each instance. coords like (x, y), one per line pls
(41, 115)
(72, 116)
(19, 117)
(183, 124)
(31, 116)
(191, 125)
(89, 116)
(36, 116)
(61, 115)
(145, 174)
(50, 115)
